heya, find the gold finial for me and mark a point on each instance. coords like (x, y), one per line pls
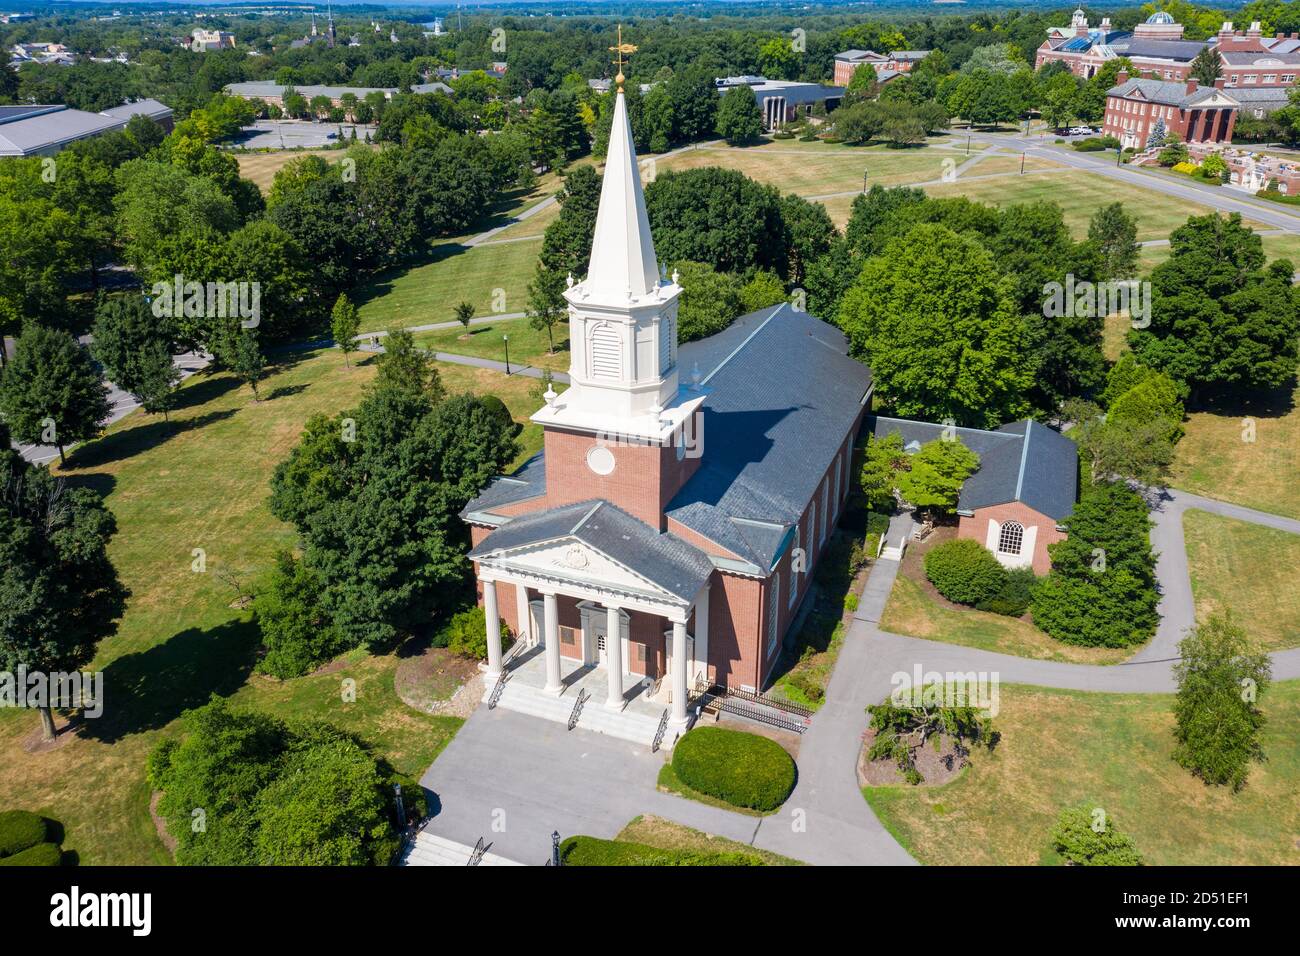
(620, 50)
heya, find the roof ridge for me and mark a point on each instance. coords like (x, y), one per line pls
(1024, 456)
(960, 428)
(749, 338)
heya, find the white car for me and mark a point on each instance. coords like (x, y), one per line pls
(1080, 131)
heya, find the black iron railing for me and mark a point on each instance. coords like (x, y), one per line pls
(659, 734)
(476, 857)
(498, 687)
(574, 714)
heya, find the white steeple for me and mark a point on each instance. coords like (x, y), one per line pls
(622, 252)
(622, 317)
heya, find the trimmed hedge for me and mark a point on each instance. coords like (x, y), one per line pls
(19, 831)
(964, 571)
(1015, 595)
(741, 769)
(42, 854)
(590, 851)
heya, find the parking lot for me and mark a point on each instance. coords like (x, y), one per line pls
(295, 134)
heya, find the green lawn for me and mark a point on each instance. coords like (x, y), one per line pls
(528, 346)
(1249, 455)
(201, 481)
(493, 278)
(1249, 569)
(1079, 194)
(1062, 748)
(913, 612)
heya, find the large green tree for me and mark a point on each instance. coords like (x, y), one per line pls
(1220, 318)
(59, 594)
(1220, 674)
(51, 392)
(938, 325)
(739, 120)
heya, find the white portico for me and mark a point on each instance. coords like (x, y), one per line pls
(595, 588)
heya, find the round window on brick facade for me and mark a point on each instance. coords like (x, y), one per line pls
(600, 460)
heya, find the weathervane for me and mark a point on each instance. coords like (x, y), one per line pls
(620, 50)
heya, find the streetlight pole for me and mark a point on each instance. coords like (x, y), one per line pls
(864, 180)
(506, 339)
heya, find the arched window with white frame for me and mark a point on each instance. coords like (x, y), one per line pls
(1011, 538)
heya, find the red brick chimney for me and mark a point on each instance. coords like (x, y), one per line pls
(1192, 84)
(1121, 77)
(1219, 82)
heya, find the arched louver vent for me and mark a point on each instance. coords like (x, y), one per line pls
(606, 353)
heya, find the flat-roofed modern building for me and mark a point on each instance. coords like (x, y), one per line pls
(44, 130)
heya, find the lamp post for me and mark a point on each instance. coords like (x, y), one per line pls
(555, 848)
(506, 339)
(864, 180)
(1119, 154)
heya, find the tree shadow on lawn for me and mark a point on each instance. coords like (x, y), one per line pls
(128, 442)
(1274, 403)
(210, 387)
(149, 689)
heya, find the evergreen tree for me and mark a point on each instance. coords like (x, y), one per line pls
(739, 119)
(1114, 232)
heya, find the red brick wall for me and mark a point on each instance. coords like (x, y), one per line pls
(637, 483)
(735, 616)
(976, 526)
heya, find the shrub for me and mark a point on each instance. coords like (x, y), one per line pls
(1014, 597)
(466, 634)
(20, 830)
(902, 730)
(850, 602)
(590, 851)
(742, 769)
(964, 571)
(414, 799)
(297, 635)
(1087, 837)
(1185, 168)
(806, 684)
(42, 854)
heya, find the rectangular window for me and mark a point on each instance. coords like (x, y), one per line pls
(794, 573)
(1288, 77)
(773, 610)
(826, 511)
(1270, 77)
(568, 636)
(836, 496)
(638, 652)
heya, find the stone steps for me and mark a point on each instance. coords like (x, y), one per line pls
(625, 725)
(429, 849)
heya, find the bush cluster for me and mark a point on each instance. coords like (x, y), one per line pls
(964, 571)
(741, 769)
(1087, 837)
(25, 840)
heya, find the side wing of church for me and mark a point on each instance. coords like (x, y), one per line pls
(668, 529)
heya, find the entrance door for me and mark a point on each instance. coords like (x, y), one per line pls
(598, 631)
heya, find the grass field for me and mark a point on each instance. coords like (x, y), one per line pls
(1063, 748)
(528, 346)
(201, 481)
(1080, 194)
(912, 612)
(1249, 455)
(493, 278)
(1277, 245)
(262, 167)
(1248, 569)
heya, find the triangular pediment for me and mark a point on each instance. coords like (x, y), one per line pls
(576, 560)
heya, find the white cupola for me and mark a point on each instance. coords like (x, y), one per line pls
(622, 315)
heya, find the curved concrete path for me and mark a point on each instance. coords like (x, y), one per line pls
(839, 826)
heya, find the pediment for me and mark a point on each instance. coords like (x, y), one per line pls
(577, 561)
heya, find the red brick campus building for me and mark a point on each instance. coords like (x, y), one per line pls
(667, 531)
(1195, 113)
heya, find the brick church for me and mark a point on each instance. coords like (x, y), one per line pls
(667, 531)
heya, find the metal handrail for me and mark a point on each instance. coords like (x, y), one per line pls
(574, 714)
(498, 687)
(476, 857)
(659, 734)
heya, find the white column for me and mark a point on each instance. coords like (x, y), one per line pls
(493, 618)
(525, 627)
(614, 656)
(679, 672)
(702, 632)
(551, 625)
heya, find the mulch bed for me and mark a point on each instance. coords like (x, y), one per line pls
(937, 767)
(427, 681)
(65, 731)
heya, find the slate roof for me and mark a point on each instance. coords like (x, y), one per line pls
(1167, 93)
(1179, 50)
(673, 564)
(782, 395)
(1260, 97)
(1024, 461)
(1253, 57)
